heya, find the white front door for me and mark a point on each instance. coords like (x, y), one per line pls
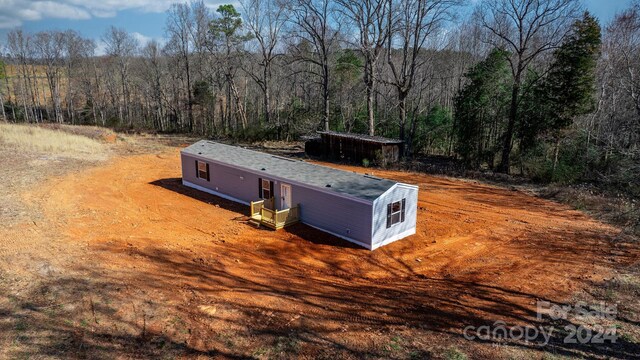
(285, 196)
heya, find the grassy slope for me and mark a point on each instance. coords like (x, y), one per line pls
(50, 142)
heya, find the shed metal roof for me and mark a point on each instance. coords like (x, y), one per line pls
(363, 137)
(343, 182)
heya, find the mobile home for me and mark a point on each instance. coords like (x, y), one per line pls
(366, 210)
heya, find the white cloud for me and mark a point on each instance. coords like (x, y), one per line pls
(14, 12)
(101, 48)
(142, 39)
(51, 9)
(28, 14)
(104, 13)
(7, 22)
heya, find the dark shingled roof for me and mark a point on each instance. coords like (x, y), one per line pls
(343, 182)
(375, 139)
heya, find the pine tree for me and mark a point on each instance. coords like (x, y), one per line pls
(568, 89)
(481, 109)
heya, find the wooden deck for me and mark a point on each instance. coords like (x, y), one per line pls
(274, 219)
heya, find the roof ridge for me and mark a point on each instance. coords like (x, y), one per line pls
(364, 186)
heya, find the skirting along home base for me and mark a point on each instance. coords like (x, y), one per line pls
(279, 191)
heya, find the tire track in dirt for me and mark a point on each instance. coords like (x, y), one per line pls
(479, 252)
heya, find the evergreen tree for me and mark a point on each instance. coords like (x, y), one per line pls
(568, 90)
(226, 39)
(481, 109)
(433, 130)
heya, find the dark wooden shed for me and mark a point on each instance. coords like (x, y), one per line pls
(356, 147)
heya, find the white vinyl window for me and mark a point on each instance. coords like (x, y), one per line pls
(266, 189)
(395, 212)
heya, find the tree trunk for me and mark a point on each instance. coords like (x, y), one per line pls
(369, 82)
(508, 135)
(325, 94)
(37, 108)
(370, 115)
(24, 97)
(267, 95)
(402, 109)
(267, 107)
(241, 115)
(4, 115)
(227, 116)
(189, 100)
(125, 111)
(6, 82)
(556, 151)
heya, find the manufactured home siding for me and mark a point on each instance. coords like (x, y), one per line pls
(349, 218)
(335, 214)
(226, 180)
(397, 193)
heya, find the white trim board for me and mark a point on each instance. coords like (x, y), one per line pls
(212, 192)
(397, 185)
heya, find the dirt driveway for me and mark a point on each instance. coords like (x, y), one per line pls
(127, 262)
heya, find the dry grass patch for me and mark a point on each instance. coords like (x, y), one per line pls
(52, 142)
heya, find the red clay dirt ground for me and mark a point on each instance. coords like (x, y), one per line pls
(126, 262)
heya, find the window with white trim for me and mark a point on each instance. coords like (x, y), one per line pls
(266, 189)
(396, 212)
(202, 170)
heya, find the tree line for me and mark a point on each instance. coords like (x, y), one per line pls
(536, 87)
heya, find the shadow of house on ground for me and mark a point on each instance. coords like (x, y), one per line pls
(175, 185)
(300, 230)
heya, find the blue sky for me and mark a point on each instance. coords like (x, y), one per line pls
(144, 18)
(606, 9)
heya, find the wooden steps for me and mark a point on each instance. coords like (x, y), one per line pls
(255, 223)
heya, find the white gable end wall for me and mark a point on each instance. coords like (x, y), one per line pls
(380, 234)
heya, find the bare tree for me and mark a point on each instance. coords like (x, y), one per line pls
(20, 48)
(615, 125)
(152, 61)
(623, 42)
(265, 20)
(527, 29)
(88, 84)
(369, 19)
(77, 50)
(179, 29)
(316, 23)
(415, 22)
(2, 77)
(121, 46)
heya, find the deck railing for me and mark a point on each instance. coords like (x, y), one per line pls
(256, 206)
(275, 219)
(287, 216)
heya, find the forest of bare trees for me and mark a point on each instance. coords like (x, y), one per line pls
(447, 78)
